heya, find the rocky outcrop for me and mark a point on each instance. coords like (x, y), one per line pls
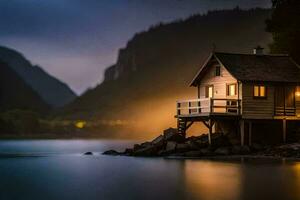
(170, 143)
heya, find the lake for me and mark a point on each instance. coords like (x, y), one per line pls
(56, 169)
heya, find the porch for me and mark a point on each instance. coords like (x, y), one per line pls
(205, 110)
(207, 107)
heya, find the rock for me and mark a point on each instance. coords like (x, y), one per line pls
(111, 152)
(128, 152)
(145, 144)
(192, 145)
(171, 134)
(222, 151)
(183, 147)
(257, 147)
(171, 146)
(149, 150)
(193, 153)
(219, 140)
(240, 150)
(88, 153)
(293, 146)
(206, 152)
(159, 140)
(234, 141)
(136, 147)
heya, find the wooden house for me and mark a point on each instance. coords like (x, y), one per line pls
(243, 89)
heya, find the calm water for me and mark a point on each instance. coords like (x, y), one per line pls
(55, 169)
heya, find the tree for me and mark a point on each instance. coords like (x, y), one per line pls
(285, 28)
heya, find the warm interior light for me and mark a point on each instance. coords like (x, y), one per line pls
(297, 94)
(80, 124)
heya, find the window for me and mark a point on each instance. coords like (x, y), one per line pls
(218, 71)
(209, 91)
(231, 89)
(259, 91)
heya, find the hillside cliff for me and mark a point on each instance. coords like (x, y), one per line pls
(16, 94)
(156, 66)
(52, 91)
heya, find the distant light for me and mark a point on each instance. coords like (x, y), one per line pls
(297, 94)
(80, 124)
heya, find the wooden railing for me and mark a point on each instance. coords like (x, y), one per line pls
(285, 111)
(208, 105)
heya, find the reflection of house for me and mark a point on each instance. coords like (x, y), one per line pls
(244, 88)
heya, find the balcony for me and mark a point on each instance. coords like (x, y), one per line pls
(208, 106)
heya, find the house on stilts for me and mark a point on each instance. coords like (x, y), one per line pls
(244, 93)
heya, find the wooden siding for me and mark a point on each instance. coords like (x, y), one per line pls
(219, 82)
(257, 108)
(219, 85)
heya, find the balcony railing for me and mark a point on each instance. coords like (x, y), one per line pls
(285, 111)
(194, 107)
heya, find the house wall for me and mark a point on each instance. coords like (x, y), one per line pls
(257, 108)
(219, 82)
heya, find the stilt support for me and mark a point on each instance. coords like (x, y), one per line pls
(250, 133)
(284, 130)
(242, 131)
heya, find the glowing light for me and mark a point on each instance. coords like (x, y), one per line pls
(297, 94)
(80, 124)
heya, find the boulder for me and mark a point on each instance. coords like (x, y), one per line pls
(88, 153)
(257, 147)
(183, 147)
(145, 144)
(193, 153)
(240, 150)
(128, 152)
(149, 150)
(158, 140)
(111, 152)
(171, 134)
(136, 147)
(171, 146)
(192, 145)
(222, 151)
(219, 140)
(207, 152)
(293, 146)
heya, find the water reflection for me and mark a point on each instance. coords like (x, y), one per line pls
(255, 179)
(212, 180)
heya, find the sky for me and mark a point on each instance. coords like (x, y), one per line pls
(75, 40)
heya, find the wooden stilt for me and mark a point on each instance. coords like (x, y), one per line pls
(210, 131)
(242, 131)
(284, 130)
(250, 133)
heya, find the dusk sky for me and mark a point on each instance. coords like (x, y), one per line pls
(75, 40)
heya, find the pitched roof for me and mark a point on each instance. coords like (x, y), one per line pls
(251, 67)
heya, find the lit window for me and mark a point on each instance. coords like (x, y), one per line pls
(259, 91)
(218, 71)
(231, 90)
(209, 92)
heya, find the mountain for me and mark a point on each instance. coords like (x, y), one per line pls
(156, 66)
(52, 91)
(16, 94)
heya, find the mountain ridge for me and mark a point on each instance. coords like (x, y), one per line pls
(53, 91)
(15, 93)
